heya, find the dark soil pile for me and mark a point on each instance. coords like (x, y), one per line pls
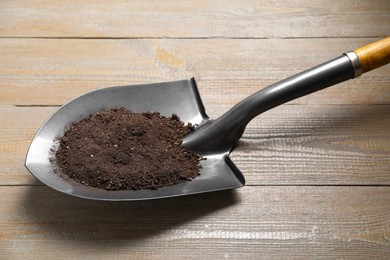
(122, 150)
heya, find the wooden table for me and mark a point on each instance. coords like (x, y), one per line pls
(317, 168)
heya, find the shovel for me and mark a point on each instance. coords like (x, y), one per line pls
(213, 139)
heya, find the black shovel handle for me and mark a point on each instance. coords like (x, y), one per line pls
(222, 134)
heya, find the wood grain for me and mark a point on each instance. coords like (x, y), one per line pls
(330, 144)
(227, 70)
(194, 19)
(289, 145)
(317, 168)
(374, 55)
(252, 222)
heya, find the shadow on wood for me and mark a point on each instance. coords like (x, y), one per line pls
(91, 222)
(289, 121)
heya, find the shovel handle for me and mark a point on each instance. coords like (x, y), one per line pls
(374, 55)
(222, 134)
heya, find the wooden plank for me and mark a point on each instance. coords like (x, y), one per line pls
(264, 19)
(317, 145)
(252, 222)
(53, 71)
(19, 126)
(289, 145)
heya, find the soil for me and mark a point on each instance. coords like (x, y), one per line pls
(122, 150)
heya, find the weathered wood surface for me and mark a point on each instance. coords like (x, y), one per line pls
(317, 168)
(250, 223)
(289, 145)
(227, 70)
(204, 18)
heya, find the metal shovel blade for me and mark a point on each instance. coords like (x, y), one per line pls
(178, 97)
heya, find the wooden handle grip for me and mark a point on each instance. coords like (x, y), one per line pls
(374, 55)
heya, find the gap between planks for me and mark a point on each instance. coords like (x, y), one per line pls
(190, 38)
